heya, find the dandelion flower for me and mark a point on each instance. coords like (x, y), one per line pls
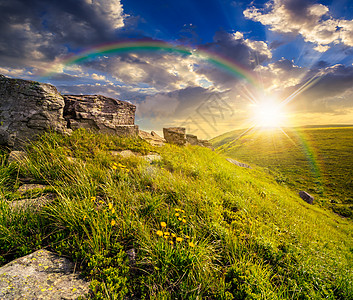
(84, 218)
(163, 224)
(171, 242)
(187, 237)
(177, 214)
(114, 167)
(113, 222)
(184, 221)
(93, 198)
(183, 211)
(167, 233)
(176, 209)
(100, 201)
(179, 239)
(159, 232)
(173, 235)
(113, 210)
(166, 237)
(191, 244)
(180, 219)
(110, 205)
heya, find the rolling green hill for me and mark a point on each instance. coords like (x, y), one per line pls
(200, 227)
(318, 160)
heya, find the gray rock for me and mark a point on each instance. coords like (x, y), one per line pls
(35, 204)
(192, 139)
(237, 163)
(27, 108)
(175, 135)
(206, 143)
(30, 186)
(306, 197)
(153, 138)
(41, 275)
(100, 113)
(16, 156)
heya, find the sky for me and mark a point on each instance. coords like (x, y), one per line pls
(241, 59)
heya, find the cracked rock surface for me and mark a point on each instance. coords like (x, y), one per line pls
(41, 275)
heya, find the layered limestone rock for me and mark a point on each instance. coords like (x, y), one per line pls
(153, 138)
(175, 135)
(27, 108)
(100, 113)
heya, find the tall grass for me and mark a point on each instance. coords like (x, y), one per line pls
(189, 226)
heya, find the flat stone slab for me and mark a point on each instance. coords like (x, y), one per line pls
(35, 203)
(239, 164)
(18, 156)
(152, 157)
(41, 275)
(31, 186)
(306, 197)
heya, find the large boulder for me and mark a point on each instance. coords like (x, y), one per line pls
(153, 138)
(26, 109)
(41, 275)
(100, 113)
(175, 135)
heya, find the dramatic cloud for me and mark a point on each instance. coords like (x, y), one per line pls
(300, 17)
(34, 32)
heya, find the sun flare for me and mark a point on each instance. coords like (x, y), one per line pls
(268, 114)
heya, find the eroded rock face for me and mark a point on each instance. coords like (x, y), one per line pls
(41, 275)
(175, 135)
(100, 113)
(27, 108)
(153, 138)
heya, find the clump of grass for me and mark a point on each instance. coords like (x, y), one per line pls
(191, 225)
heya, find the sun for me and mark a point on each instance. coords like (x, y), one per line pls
(268, 114)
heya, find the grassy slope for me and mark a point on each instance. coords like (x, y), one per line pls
(317, 160)
(244, 236)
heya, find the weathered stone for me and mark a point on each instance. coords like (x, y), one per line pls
(306, 197)
(192, 139)
(153, 138)
(16, 156)
(237, 163)
(35, 203)
(31, 186)
(206, 143)
(175, 135)
(100, 113)
(41, 275)
(27, 108)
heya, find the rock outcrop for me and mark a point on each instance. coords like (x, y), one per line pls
(41, 275)
(306, 197)
(153, 138)
(178, 136)
(100, 113)
(27, 108)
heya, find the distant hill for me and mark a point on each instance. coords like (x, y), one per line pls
(316, 159)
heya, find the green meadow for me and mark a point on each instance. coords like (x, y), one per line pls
(317, 160)
(200, 227)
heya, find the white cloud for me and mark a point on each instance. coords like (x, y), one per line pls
(312, 22)
(109, 10)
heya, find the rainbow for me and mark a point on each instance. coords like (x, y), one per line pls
(116, 48)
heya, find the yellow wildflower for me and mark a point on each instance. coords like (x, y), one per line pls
(183, 211)
(114, 167)
(184, 221)
(113, 210)
(166, 237)
(179, 219)
(167, 233)
(113, 222)
(93, 198)
(159, 232)
(84, 218)
(110, 205)
(191, 244)
(173, 235)
(176, 209)
(187, 237)
(100, 201)
(163, 224)
(179, 239)
(177, 214)
(171, 242)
